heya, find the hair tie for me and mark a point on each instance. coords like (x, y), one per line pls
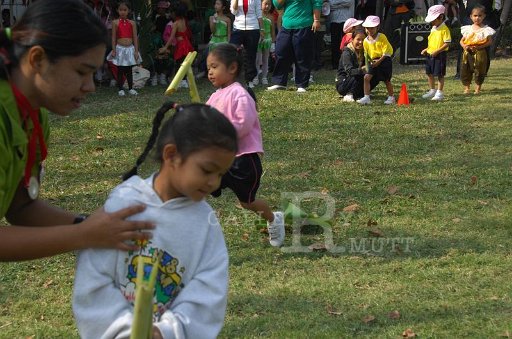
(8, 33)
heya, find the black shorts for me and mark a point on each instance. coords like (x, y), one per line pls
(243, 178)
(384, 71)
(436, 66)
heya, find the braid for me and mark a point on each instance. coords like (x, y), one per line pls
(157, 121)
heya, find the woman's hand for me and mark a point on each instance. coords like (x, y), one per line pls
(111, 230)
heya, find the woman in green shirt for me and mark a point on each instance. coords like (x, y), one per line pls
(47, 62)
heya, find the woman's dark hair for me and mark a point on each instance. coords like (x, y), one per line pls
(228, 54)
(192, 128)
(62, 27)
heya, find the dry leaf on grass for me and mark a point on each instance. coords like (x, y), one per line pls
(505, 334)
(394, 315)
(99, 136)
(392, 189)
(473, 180)
(245, 236)
(368, 319)
(48, 283)
(456, 220)
(375, 232)
(351, 208)
(408, 333)
(318, 247)
(332, 311)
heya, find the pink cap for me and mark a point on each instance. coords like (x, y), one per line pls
(350, 23)
(434, 12)
(163, 4)
(371, 21)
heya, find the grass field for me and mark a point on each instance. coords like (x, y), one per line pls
(421, 224)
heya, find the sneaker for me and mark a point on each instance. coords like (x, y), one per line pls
(390, 100)
(154, 80)
(162, 80)
(348, 98)
(250, 84)
(429, 94)
(255, 81)
(113, 83)
(454, 20)
(292, 79)
(183, 84)
(133, 92)
(275, 88)
(364, 100)
(438, 96)
(121, 93)
(311, 78)
(276, 230)
(264, 81)
(301, 90)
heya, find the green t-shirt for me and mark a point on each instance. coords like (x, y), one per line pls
(14, 146)
(298, 13)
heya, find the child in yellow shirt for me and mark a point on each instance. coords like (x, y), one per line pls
(377, 51)
(438, 41)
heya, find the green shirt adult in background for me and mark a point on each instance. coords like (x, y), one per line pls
(298, 13)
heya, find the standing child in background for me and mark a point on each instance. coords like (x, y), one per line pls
(266, 44)
(220, 25)
(452, 8)
(475, 58)
(232, 99)
(195, 147)
(161, 63)
(125, 48)
(348, 28)
(438, 41)
(377, 51)
(183, 35)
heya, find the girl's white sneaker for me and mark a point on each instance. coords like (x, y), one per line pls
(348, 98)
(390, 100)
(364, 100)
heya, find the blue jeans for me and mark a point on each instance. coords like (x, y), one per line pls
(294, 46)
(250, 41)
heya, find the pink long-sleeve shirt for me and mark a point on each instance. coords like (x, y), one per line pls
(239, 107)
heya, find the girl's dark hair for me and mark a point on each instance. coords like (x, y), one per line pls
(192, 128)
(358, 31)
(126, 3)
(181, 10)
(480, 7)
(61, 27)
(228, 54)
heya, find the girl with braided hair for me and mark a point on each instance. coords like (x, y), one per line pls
(195, 148)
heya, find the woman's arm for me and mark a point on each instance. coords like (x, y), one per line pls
(234, 7)
(48, 230)
(211, 22)
(228, 21)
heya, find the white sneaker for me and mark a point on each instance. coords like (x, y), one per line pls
(121, 93)
(292, 79)
(264, 81)
(250, 84)
(154, 80)
(162, 79)
(255, 81)
(183, 84)
(390, 100)
(311, 78)
(438, 97)
(133, 92)
(301, 90)
(275, 88)
(348, 98)
(429, 94)
(364, 100)
(454, 20)
(276, 230)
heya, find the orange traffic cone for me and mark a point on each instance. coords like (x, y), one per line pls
(403, 98)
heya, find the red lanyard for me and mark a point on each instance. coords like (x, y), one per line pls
(27, 111)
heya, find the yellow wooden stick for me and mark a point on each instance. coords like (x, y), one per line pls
(142, 327)
(182, 72)
(194, 93)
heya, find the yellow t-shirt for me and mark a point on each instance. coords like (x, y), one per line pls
(374, 49)
(437, 37)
